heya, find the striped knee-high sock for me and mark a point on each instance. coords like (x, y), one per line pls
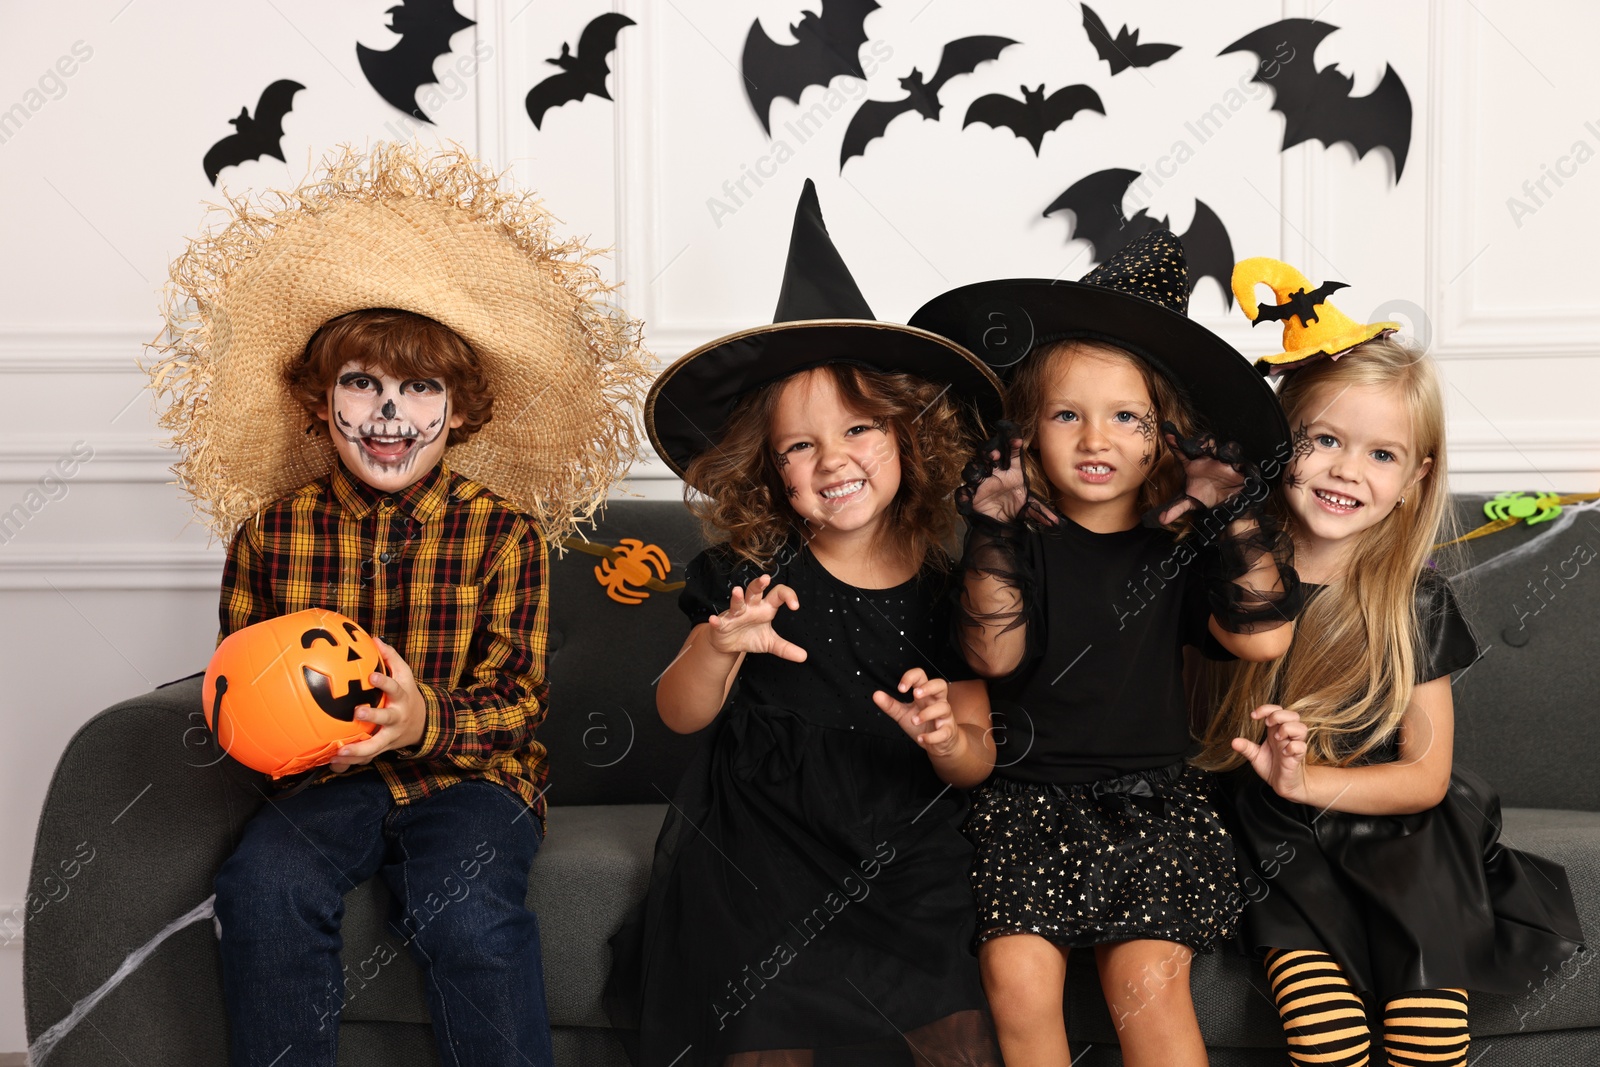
(1427, 1028)
(1323, 1018)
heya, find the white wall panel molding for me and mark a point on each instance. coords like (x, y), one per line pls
(118, 567)
(75, 350)
(13, 925)
(1524, 447)
(637, 141)
(1463, 328)
(490, 83)
(101, 458)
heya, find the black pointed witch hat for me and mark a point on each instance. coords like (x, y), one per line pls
(821, 318)
(1137, 300)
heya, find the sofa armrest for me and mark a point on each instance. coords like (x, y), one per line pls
(140, 814)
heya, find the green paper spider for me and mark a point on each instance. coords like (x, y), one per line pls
(1537, 508)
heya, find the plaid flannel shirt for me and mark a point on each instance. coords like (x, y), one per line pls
(450, 575)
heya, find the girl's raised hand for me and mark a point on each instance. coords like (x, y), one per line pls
(1280, 757)
(928, 719)
(747, 624)
(993, 485)
(1212, 472)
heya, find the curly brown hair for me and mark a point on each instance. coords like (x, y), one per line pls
(1025, 398)
(401, 343)
(743, 501)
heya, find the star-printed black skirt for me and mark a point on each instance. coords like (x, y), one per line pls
(1140, 857)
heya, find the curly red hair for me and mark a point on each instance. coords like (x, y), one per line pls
(401, 343)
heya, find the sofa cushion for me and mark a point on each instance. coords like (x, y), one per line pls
(594, 865)
(1235, 1007)
(1532, 595)
(607, 744)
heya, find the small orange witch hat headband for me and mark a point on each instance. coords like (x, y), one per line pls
(1312, 327)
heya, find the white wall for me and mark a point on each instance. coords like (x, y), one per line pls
(110, 589)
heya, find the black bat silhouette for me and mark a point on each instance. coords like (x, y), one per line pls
(872, 118)
(826, 44)
(1125, 50)
(1096, 205)
(261, 135)
(1035, 114)
(1300, 304)
(425, 28)
(1316, 104)
(583, 74)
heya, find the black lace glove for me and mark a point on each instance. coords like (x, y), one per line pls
(1225, 501)
(994, 491)
(1215, 476)
(994, 500)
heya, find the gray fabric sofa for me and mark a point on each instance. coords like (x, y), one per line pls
(1526, 717)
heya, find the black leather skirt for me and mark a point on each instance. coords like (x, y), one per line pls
(1433, 900)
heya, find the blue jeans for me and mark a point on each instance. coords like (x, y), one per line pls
(457, 865)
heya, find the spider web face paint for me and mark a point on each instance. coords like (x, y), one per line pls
(1300, 448)
(1147, 430)
(389, 432)
(781, 460)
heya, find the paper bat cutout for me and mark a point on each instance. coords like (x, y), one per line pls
(425, 28)
(583, 74)
(1096, 205)
(261, 135)
(1035, 114)
(1300, 304)
(826, 44)
(1125, 51)
(872, 118)
(1316, 104)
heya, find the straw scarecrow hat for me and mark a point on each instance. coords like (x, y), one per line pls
(1312, 327)
(439, 235)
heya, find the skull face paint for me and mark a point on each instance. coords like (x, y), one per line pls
(389, 432)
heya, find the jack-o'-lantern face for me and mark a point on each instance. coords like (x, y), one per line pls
(321, 675)
(281, 695)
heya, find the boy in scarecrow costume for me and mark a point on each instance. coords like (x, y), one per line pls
(392, 385)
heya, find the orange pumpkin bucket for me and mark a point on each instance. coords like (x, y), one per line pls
(281, 696)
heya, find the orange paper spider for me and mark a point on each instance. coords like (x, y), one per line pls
(628, 568)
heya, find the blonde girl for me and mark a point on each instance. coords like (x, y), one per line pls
(1374, 867)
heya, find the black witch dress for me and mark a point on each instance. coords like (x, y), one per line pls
(1433, 900)
(1093, 829)
(810, 881)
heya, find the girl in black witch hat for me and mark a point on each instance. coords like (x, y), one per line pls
(1093, 833)
(809, 890)
(1379, 869)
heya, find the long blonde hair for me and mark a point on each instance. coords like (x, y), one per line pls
(1352, 680)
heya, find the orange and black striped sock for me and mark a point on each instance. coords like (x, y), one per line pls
(1427, 1028)
(1323, 1017)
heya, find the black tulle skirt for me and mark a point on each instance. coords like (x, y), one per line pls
(1433, 900)
(809, 892)
(1141, 857)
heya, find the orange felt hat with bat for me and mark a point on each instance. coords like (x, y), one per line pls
(1312, 327)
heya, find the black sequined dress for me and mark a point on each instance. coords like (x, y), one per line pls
(1433, 900)
(810, 881)
(1093, 829)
